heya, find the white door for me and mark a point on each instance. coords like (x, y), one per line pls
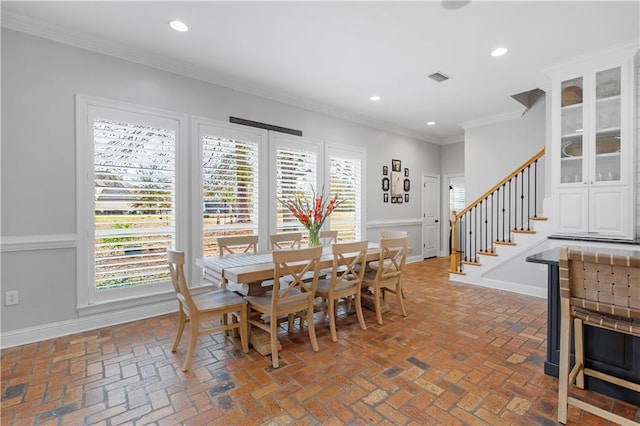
(430, 215)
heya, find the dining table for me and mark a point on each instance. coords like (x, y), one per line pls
(244, 273)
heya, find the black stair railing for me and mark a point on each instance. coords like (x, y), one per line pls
(509, 206)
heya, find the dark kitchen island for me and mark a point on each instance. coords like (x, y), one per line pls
(614, 353)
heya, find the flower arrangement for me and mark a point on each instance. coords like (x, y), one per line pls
(312, 215)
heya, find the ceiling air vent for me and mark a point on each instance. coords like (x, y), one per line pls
(439, 77)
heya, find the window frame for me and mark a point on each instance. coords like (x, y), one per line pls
(281, 140)
(87, 107)
(341, 151)
(201, 126)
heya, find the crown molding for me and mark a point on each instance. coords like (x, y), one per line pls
(21, 23)
(493, 119)
(452, 140)
(578, 63)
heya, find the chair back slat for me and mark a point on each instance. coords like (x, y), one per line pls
(393, 256)
(348, 263)
(176, 267)
(287, 240)
(294, 264)
(237, 244)
(328, 237)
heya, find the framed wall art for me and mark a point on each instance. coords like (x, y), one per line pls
(385, 183)
(396, 182)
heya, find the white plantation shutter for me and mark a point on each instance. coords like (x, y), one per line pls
(296, 173)
(134, 186)
(345, 181)
(230, 186)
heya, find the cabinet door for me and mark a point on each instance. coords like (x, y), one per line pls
(572, 210)
(572, 149)
(608, 211)
(605, 152)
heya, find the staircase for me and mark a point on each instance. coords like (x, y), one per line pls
(492, 236)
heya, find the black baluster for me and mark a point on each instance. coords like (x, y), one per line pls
(515, 203)
(522, 202)
(470, 233)
(510, 212)
(486, 225)
(535, 189)
(492, 212)
(504, 191)
(529, 197)
(475, 236)
(479, 229)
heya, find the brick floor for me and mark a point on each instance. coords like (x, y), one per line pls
(465, 355)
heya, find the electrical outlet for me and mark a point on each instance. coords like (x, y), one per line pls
(11, 298)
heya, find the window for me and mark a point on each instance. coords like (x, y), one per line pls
(127, 199)
(456, 195)
(296, 164)
(230, 158)
(345, 181)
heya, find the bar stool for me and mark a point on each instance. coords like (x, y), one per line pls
(600, 290)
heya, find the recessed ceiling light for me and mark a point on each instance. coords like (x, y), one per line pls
(431, 123)
(375, 98)
(499, 51)
(179, 26)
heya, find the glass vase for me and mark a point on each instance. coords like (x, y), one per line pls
(314, 237)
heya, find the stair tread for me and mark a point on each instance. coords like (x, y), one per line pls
(505, 243)
(523, 231)
(539, 218)
(488, 253)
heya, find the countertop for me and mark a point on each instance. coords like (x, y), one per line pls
(550, 257)
(594, 240)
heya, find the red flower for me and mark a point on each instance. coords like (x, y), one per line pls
(311, 216)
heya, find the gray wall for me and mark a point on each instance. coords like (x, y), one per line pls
(495, 150)
(453, 159)
(39, 81)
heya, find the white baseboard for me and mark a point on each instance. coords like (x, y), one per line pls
(525, 289)
(76, 325)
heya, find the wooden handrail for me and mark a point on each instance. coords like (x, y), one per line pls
(455, 215)
(502, 182)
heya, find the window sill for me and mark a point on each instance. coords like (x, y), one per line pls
(138, 302)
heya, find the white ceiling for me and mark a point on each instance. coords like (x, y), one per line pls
(332, 56)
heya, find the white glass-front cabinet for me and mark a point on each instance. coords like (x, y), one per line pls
(592, 149)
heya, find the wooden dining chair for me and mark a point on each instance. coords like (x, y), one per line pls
(386, 272)
(386, 233)
(328, 237)
(598, 290)
(285, 240)
(196, 309)
(287, 298)
(237, 244)
(345, 282)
